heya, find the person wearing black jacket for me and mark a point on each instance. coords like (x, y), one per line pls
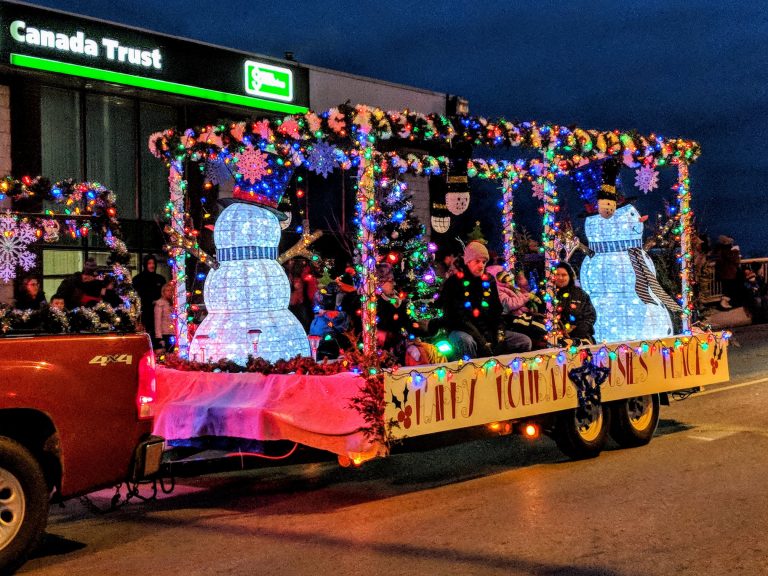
(148, 285)
(472, 310)
(577, 314)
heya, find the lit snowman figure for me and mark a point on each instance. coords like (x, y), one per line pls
(620, 278)
(247, 296)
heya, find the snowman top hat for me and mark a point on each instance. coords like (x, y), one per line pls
(610, 171)
(264, 183)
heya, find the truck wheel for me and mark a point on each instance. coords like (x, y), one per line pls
(23, 504)
(634, 420)
(582, 432)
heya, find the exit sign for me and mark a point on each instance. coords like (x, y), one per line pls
(268, 81)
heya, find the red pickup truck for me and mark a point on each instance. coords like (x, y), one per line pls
(75, 416)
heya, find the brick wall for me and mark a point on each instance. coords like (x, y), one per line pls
(6, 290)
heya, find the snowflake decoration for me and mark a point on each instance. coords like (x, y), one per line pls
(538, 191)
(314, 122)
(336, 120)
(252, 164)
(262, 129)
(237, 131)
(290, 128)
(322, 159)
(14, 240)
(216, 171)
(362, 119)
(646, 179)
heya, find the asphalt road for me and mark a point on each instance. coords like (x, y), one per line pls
(694, 501)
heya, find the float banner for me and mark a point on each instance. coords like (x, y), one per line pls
(43, 40)
(443, 397)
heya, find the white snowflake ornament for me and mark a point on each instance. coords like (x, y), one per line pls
(252, 164)
(646, 179)
(15, 237)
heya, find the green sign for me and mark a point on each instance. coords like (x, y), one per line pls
(268, 81)
(38, 39)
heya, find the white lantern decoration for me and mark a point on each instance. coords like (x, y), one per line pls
(441, 224)
(457, 202)
(248, 294)
(609, 279)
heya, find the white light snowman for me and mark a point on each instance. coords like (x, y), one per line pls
(620, 278)
(247, 296)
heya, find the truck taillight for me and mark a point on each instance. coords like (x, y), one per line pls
(145, 395)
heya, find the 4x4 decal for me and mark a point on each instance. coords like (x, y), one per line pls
(112, 359)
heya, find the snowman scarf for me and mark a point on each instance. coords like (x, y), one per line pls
(646, 282)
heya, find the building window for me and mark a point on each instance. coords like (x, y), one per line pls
(60, 134)
(111, 148)
(154, 174)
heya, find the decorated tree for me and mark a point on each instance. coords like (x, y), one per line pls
(402, 245)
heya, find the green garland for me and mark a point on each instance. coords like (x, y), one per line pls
(348, 128)
(100, 318)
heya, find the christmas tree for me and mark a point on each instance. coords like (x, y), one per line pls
(401, 243)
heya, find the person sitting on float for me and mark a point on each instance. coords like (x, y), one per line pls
(577, 314)
(472, 310)
(348, 300)
(329, 324)
(517, 315)
(393, 326)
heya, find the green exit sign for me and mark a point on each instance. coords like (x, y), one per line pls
(268, 81)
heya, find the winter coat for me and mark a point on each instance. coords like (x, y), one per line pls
(471, 304)
(163, 322)
(577, 314)
(513, 301)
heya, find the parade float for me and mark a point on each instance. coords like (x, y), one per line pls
(246, 372)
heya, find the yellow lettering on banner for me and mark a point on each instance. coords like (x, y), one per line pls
(470, 395)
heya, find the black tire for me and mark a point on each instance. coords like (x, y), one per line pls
(582, 433)
(634, 420)
(24, 500)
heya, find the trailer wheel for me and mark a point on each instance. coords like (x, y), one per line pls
(634, 420)
(582, 432)
(23, 504)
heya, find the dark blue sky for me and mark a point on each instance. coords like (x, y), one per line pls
(688, 68)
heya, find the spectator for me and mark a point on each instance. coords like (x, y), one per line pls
(165, 331)
(81, 287)
(148, 285)
(577, 314)
(727, 261)
(57, 302)
(472, 310)
(31, 296)
(756, 298)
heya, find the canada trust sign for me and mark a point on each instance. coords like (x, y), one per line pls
(79, 43)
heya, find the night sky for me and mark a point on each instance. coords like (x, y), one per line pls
(682, 68)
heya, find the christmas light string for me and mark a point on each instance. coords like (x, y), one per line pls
(546, 359)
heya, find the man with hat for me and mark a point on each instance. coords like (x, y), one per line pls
(472, 310)
(81, 287)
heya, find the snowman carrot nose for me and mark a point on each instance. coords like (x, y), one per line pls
(644, 218)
